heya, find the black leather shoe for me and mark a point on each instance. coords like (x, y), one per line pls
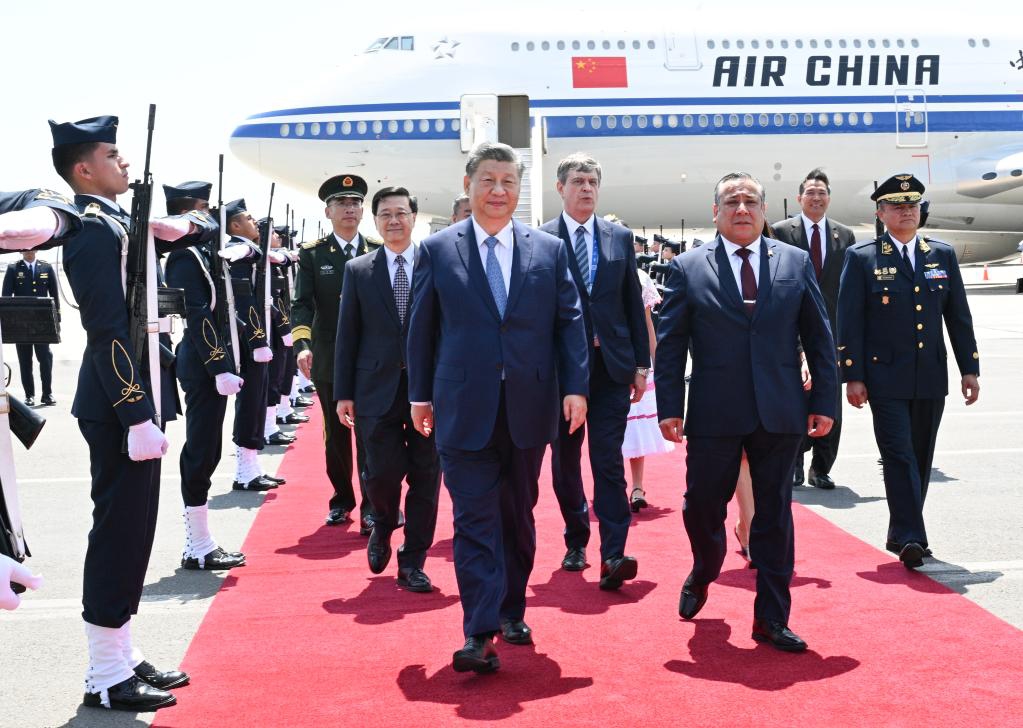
(308, 389)
(366, 524)
(575, 559)
(895, 548)
(293, 419)
(414, 580)
(378, 552)
(159, 679)
(301, 401)
(478, 655)
(280, 438)
(274, 479)
(257, 483)
(30, 401)
(797, 477)
(614, 572)
(776, 633)
(692, 599)
(516, 632)
(215, 560)
(337, 516)
(912, 555)
(132, 694)
(637, 499)
(823, 481)
(47, 400)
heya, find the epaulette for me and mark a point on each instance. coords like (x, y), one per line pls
(312, 244)
(93, 209)
(45, 194)
(200, 217)
(374, 240)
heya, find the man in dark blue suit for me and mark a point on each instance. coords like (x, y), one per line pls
(742, 305)
(495, 331)
(603, 265)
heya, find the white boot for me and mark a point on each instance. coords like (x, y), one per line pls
(270, 425)
(246, 465)
(108, 664)
(303, 381)
(284, 407)
(198, 540)
(132, 654)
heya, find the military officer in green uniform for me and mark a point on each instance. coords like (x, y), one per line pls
(314, 312)
(895, 291)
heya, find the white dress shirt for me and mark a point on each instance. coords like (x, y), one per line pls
(409, 254)
(823, 227)
(347, 246)
(736, 261)
(503, 250)
(910, 249)
(572, 225)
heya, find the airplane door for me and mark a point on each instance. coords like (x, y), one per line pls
(910, 118)
(479, 115)
(680, 51)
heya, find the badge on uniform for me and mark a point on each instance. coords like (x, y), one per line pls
(935, 274)
(326, 269)
(884, 299)
(886, 248)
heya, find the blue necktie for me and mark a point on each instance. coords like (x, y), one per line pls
(582, 255)
(494, 276)
(401, 288)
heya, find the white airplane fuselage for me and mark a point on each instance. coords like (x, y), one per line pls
(667, 114)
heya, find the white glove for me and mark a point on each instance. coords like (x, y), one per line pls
(228, 384)
(11, 570)
(146, 442)
(234, 253)
(170, 228)
(293, 254)
(262, 355)
(277, 256)
(25, 229)
(288, 341)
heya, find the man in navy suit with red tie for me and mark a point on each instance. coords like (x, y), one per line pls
(495, 332)
(742, 304)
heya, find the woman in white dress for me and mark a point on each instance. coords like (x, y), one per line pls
(642, 435)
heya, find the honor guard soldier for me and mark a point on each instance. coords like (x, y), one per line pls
(31, 277)
(895, 291)
(207, 377)
(112, 397)
(250, 403)
(287, 385)
(314, 313)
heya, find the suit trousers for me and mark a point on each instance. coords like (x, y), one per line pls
(825, 449)
(125, 496)
(250, 406)
(205, 409)
(712, 467)
(395, 451)
(45, 358)
(337, 440)
(905, 430)
(493, 493)
(606, 417)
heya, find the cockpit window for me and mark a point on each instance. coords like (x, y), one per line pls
(393, 43)
(407, 43)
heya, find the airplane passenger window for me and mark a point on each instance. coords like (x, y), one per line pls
(886, 43)
(915, 43)
(725, 44)
(408, 126)
(784, 44)
(641, 121)
(438, 125)
(378, 127)
(561, 45)
(408, 43)
(754, 44)
(854, 118)
(285, 130)
(392, 127)
(972, 42)
(580, 122)
(530, 46)
(868, 118)
(424, 126)
(763, 120)
(361, 127)
(871, 43)
(658, 121)
(626, 122)
(687, 121)
(918, 117)
(651, 45)
(837, 118)
(779, 120)
(747, 120)
(621, 45)
(799, 43)
(703, 121)
(807, 119)
(857, 43)
(793, 119)
(595, 122)
(740, 44)
(331, 128)
(346, 128)
(575, 45)
(986, 43)
(591, 44)
(612, 122)
(822, 119)
(635, 44)
(769, 43)
(300, 129)
(813, 42)
(456, 124)
(515, 46)
(673, 121)
(719, 120)
(545, 45)
(900, 43)
(606, 45)
(827, 42)
(841, 43)
(314, 128)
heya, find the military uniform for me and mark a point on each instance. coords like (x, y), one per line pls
(70, 223)
(22, 280)
(890, 338)
(314, 314)
(250, 403)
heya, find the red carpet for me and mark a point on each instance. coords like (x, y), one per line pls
(306, 636)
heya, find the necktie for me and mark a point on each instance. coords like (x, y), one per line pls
(582, 255)
(749, 281)
(816, 255)
(494, 276)
(401, 289)
(905, 257)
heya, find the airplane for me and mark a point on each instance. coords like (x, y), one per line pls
(670, 109)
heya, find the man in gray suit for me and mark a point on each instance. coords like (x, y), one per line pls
(826, 241)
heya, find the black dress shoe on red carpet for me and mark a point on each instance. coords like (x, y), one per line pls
(274, 479)
(160, 679)
(614, 572)
(895, 548)
(414, 580)
(301, 401)
(516, 632)
(575, 559)
(366, 525)
(337, 516)
(822, 481)
(132, 694)
(30, 401)
(912, 555)
(378, 551)
(778, 635)
(257, 483)
(280, 438)
(215, 560)
(478, 655)
(293, 419)
(692, 599)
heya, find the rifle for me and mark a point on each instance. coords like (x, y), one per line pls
(224, 314)
(878, 225)
(263, 271)
(141, 282)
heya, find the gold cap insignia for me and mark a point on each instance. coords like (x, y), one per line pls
(347, 182)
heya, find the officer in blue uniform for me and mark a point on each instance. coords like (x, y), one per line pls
(31, 277)
(114, 396)
(206, 372)
(894, 293)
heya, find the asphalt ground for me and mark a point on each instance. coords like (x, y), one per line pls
(972, 516)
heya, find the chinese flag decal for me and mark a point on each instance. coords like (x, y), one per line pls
(599, 72)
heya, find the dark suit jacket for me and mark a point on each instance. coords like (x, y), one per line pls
(190, 270)
(370, 354)
(745, 370)
(613, 309)
(458, 344)
(837, 237)
(19, 281)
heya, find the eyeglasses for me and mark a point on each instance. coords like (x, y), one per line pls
(347, 202)
(399, 216)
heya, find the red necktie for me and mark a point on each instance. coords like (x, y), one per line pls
(816, 256)
(749, 281)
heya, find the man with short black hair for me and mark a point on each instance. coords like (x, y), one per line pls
(461, 209)
(31, 277)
